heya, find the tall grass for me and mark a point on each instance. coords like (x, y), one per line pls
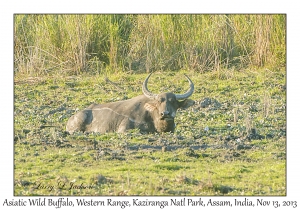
(73, 44)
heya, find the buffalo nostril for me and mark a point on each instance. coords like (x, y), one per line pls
(165, 113)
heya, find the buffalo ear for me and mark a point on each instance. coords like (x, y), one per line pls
(186, 103)
(149, 107)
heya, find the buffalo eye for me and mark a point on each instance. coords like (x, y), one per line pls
(160, 100)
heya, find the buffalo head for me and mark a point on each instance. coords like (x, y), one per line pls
(164, 106)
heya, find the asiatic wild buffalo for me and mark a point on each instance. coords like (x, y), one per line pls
(148, 112)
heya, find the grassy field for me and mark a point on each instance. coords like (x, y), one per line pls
(231, 142)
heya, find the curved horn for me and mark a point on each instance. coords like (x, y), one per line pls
(145, 89)
(188, 93)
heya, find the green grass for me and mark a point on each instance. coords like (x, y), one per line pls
(243, 152)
